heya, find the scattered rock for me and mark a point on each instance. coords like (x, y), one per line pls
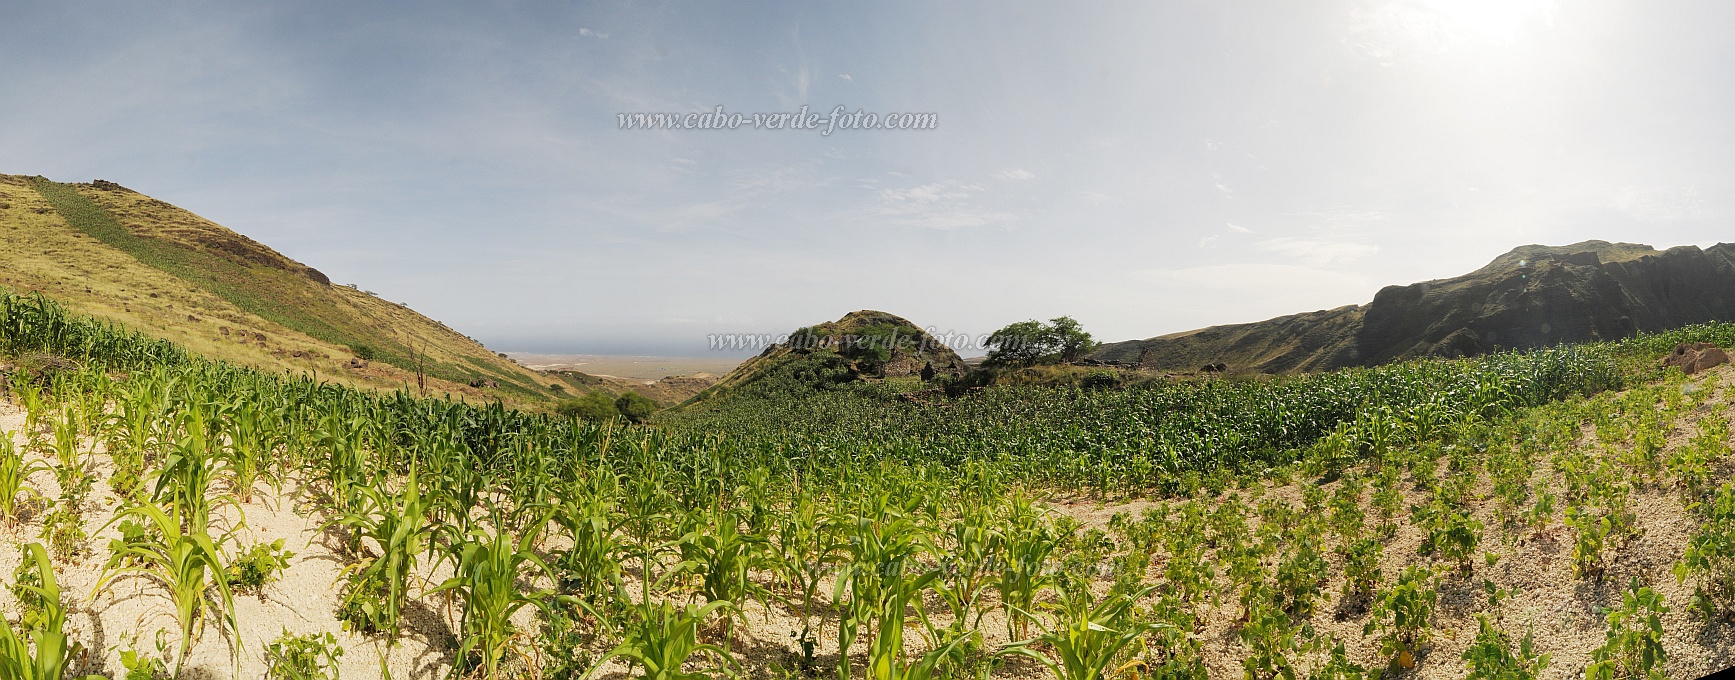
(356, 363)
(1695, 357)
(192, 318)
(480, 383)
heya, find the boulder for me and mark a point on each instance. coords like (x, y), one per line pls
(1694, 357)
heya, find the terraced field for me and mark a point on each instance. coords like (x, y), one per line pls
(1520, 515)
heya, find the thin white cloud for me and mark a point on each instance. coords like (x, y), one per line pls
(592, 34)
(1238, 228)
(1658, 204)
(939, 205)
(846, 76)
(1318, 253)
(1015, 174)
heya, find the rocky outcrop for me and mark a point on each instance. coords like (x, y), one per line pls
(1533, 296)
(910, 350)
(1695, 357)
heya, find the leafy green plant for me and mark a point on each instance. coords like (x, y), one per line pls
(1633, 647)
(1272, 644)
(662, 640)
(143, 667)
(1300, 577)
(1361, 568)
(1591, 532)
(313, 656)
(1402, 616)
(1491, 657)
(1088, 637)
(486, 574)
(14, 474)
(188, 564)
(1710, 554)
(258, 566)
(41, 651)
(1452, 533)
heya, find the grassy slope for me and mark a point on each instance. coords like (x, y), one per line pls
(127, 257)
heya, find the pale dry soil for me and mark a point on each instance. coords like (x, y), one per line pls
(1565, 614)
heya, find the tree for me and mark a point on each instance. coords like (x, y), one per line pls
(593, 406)
(1018, 344)
(636, 407)
(1068, 339)
(1027, 343)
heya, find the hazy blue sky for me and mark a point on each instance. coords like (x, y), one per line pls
(1144, 167)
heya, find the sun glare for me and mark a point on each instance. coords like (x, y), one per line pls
(1494, 20)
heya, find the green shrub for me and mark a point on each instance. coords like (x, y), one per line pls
(595, 406)
(1403, 614)
(302, 657)
(259, 566)
(635, 407)
(1490, 657)
(1633, 647)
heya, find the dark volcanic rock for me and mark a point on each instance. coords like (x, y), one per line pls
(1533, 296)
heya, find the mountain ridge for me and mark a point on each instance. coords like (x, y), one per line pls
(1530, 296)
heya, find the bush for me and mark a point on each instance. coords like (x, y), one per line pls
(259, 566)
(364, 352)
(636, 407)
(303, 657)
(593, 406)
(1634, 646)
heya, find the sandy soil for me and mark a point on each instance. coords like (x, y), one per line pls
(1565, 613)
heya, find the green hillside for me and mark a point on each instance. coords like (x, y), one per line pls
(111, 252)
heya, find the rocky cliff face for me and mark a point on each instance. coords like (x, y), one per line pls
(1530, 297)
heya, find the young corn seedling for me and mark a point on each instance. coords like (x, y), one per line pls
(41, 651)
(486, 575)
(808, 548)
(1025, 574)
(725, 559)
(188, 564)
(1088, 639)
(663, 640)
(15, 472)
(373, 598)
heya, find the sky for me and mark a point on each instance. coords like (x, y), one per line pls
(1144, 167)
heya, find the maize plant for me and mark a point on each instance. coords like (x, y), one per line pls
(663, 639)
(374, 595)
(41, 651)
(1088, 639)
(14, 476)
(487, 568)
(185, 562)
